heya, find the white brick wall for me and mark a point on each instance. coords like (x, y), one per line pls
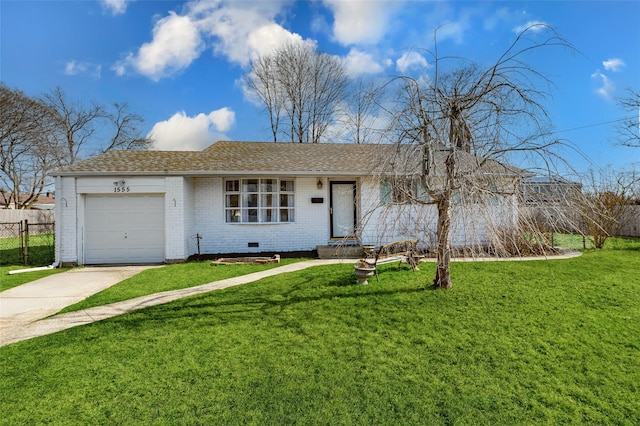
(196, 206)
(383, 224)
(66, 214)
(310, 229)
(179, 218)
(190, 243)
(174, 207)
(479, 224)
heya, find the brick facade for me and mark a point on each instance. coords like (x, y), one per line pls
(195, 207)
(309, 230)
(192, 186)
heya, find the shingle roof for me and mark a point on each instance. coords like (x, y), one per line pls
(226, 157)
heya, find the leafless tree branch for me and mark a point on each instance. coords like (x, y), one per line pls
(299, 89)
(463, 123)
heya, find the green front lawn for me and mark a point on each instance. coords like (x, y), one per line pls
(540, 342)
(170, 277)
(578, 242)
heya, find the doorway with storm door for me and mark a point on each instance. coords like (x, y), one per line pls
(343, 209)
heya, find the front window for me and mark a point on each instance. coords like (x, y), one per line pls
(402, 190)
(259, 200)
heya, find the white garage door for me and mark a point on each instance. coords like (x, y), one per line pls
(124, 229)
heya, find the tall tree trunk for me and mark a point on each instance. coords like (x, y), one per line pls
(443, 252)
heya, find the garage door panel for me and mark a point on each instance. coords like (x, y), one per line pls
(144, 238)
(104, 256)
(140, 255)
(124, 229)
(101, 221)
(106, 239)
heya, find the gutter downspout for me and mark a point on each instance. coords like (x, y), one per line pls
(40, 268)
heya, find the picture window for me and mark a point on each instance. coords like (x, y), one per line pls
(259, 200)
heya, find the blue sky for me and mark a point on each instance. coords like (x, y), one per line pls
(178, 63)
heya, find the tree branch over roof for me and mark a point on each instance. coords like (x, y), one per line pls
(463, 116)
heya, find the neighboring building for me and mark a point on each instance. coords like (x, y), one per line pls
(241, 197)
(42, 202)
(545, 190)
(550, 203)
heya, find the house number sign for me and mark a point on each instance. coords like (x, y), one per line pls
(120, 186)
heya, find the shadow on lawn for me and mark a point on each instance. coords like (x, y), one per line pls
(223, 311)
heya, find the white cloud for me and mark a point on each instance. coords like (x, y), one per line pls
(361, 21)
(319, 24)
(452, 30)
(343, 129)
(357, 63)
(501, 15)
(269, 37)
(120, 68)
(606, 87)
(533, 26)
(79, 67)
(184, 133)
(239, 31)
(411, 60)
(116, 7)
(614, 64)
(176, 43)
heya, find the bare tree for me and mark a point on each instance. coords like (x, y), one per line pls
(262, 84)
(606, 206)
(28, 151)
(38, 135)
(358, 114)
(91, 129)
(76, 123)
(629, 130)
(125, 129)
(463, 122)
(299, 88)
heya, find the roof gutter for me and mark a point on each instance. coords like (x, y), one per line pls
(205, 173)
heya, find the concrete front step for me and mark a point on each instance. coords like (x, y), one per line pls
(340, 251)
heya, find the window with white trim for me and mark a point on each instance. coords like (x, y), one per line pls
(259, 200)
(402, 190)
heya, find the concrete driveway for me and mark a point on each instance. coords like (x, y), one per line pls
(24, 304)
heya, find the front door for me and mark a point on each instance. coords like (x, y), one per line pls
(343, 209)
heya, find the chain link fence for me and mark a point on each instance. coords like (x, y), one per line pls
(25, 243)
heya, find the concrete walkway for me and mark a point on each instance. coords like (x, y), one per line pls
(22, 319)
